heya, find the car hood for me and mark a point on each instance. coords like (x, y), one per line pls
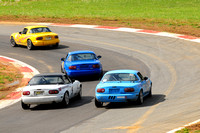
(49, 87)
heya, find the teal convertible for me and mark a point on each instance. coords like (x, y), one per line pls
(122, 86)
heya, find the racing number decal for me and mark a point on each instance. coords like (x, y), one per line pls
(111, 97)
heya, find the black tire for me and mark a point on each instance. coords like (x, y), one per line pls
(61, 69)
(140, 99)
(79, 96)
(150, 92)
(56, 46)
(29, 45)
(65, 101)
(25, 106)
(98, 104)
(12, 42)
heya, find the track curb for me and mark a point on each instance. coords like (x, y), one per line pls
(122, 29)
(27, 71)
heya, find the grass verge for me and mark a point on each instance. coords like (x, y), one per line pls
(10, 78)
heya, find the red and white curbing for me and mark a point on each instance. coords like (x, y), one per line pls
(123, 29)
(177, 129)
(27, 71)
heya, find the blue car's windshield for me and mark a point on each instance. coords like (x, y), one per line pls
(40, 29)
(119, 77)
(82, 56)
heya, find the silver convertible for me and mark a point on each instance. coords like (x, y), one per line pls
(50, 88)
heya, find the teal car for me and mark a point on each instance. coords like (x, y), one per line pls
(122, 86)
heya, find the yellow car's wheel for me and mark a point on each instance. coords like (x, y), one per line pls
(29, 44)
(12, 42)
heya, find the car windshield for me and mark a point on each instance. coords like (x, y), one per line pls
(40, 29)
(119, 77)
(46, 80)
(80, 57)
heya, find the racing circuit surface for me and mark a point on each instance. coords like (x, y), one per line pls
(172, 64)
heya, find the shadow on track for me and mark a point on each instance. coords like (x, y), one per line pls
(45, 47)
(73, 104)
(155, 99)
(90, 78)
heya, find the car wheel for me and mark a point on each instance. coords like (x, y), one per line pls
(150, 92)
(61, 69)
(29, 44)
(56, 46)
(25, 106)
(12, 42)
(140, 98)
(65, 100)
(98, 104)
(79, 96)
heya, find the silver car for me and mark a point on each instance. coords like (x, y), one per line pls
(50, 88)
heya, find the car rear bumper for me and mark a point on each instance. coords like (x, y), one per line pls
(45, 43)
(78, 73)
(116, 97)
(42, 99)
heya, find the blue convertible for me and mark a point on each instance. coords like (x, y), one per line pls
(81, 63)
(122, 86)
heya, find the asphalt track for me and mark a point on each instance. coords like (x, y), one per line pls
(172, 64)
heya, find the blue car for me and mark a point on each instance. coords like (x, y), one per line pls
(81, 63)
(122, 86)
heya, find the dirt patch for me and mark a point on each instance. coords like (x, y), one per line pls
(10, 79)
(194, 128)
(172, 26)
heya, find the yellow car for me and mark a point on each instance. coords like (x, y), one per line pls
(32, 36)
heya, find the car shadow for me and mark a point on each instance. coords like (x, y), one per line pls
(148, 101)
(74, 102)
(46, 47)
(90, 78)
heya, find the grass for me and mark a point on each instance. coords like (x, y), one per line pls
(167, 11)
(117, 9)
(186, 130)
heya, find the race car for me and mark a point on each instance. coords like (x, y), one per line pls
(81, 63)
(50, 88)
(122, 86)
(32, 36)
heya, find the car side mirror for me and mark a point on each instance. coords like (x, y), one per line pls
(62, 59)
(20, 32)
(145, 78)
(99, 56)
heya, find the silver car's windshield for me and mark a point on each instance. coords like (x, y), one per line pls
(119, 77)
(46, 80)
(82, 56)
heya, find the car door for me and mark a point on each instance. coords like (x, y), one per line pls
(74, 86)
(24, 37)
(143, 83)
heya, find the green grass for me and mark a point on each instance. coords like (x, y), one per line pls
(4, 77)
(185, 130)
(167, 10)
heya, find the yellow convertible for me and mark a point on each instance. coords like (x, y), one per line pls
(32, 36)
